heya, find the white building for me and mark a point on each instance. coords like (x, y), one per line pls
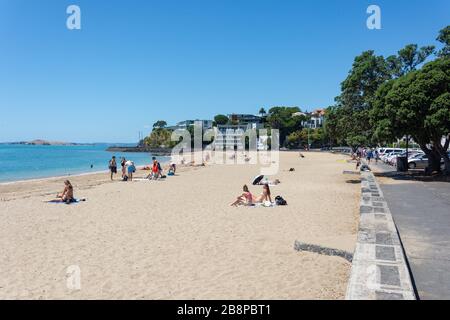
(207, 124)
(316, 118)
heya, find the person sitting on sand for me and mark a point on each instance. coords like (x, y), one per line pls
(173, 167)
(156, 170)
(67, 194)
(245, 199)
(265, 195)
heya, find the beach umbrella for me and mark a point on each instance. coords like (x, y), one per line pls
(258, 179)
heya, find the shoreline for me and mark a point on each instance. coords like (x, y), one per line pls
(43, 179)
(80, 174)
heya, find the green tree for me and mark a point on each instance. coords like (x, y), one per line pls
(159, 138)
(262, 112)
(160, 124)
(418, 104)
(283, 119)
(349, 119)
(444, 38)
(221, 119)
(409, 58)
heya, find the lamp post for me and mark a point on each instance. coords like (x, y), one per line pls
(407, 145)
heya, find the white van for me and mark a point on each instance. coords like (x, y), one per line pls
(384, 151)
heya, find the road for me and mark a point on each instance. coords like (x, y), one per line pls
(421, 211)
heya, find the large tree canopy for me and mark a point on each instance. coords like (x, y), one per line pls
(349, 119)
(417, 104)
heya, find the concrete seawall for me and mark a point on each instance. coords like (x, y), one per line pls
(379, 268)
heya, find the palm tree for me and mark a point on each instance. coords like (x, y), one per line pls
(262, 112)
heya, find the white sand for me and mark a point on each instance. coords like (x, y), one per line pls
(180, 239)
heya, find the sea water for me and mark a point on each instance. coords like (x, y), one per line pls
(23, 162)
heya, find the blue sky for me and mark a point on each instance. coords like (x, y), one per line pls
(135, 62)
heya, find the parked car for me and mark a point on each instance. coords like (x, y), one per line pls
(385, 151)
(411, 153)
(386, 157)
(420, 161)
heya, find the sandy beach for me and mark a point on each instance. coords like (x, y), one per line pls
(179, 238)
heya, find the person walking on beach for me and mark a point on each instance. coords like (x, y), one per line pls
(369, 155)
(113, 167)
(376, 156)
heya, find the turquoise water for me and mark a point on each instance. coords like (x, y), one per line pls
(22, 162)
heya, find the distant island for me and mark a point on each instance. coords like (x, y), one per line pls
(158, 151)
(40, 142)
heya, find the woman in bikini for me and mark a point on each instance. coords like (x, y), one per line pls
(265, 195)
(122, 163)
(67, 194)
(245, 199)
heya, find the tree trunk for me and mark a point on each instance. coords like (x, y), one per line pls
(434, 159)
(442, 150)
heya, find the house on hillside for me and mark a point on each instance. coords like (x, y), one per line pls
(207, 124)
(315, 118)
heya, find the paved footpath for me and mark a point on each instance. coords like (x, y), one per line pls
(421, 211)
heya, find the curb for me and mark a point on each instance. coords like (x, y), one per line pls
(379, 268)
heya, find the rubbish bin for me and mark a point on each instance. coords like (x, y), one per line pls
(402, 164)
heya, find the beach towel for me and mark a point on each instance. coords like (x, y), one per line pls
(264, 205)
(74, 201)
(350, 172)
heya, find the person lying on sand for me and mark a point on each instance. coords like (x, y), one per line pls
(265, 195)
(273, 183)
(245, 198)
(67, 194)
(192, 164)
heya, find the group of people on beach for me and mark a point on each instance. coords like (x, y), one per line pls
(129, 168)
(365, 153)
(248, 199)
